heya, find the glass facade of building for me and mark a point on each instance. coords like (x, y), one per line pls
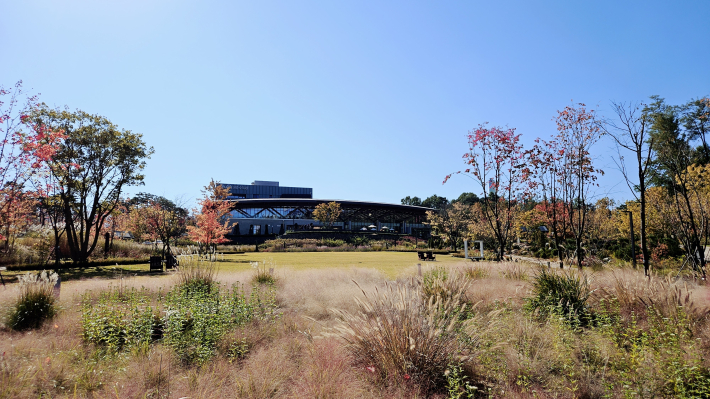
(277, 214)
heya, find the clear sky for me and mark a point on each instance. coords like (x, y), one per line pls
(362, 100)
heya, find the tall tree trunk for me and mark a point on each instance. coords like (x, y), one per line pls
(644, 242)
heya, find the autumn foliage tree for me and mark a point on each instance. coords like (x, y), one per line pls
(210, 224)
(565, 175)
(154, 218)
(546, 163)
(25, 149)
(453, 222)
(327, 213)
(496, 162)
(679, 168)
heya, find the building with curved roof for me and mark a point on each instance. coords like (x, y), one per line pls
(253, 213)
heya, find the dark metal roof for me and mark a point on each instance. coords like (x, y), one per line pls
(257, 202)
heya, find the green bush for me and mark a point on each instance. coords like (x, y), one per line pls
(564, 293)
(36, 302)
(191, 318)
(195, 320)
(118, 319)
(331, 242)
(546, 253)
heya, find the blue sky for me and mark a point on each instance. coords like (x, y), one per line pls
(359, 100)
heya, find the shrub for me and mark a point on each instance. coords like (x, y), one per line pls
(195, 320)
(331, 242)
(35, 303)
(659, 253)
(401, 338)
(119, 318)
(191, 318)
(457, 384)
(594, 262)
(564, 293)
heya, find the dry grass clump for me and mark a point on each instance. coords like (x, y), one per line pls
(521, 357)
(402, 338)
(263, 274)
(327, 373)
(496, 291)
(267, 372)
(514, 271)
(196, 275)
(638, 295)
(477, 272)
(35, 303)
(314, 293)
(442, 284)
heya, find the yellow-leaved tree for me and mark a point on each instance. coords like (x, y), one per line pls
(327, 213)
(452, 222)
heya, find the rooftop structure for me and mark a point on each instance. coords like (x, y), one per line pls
(265, 189)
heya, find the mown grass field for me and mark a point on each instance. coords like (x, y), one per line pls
(391, 264)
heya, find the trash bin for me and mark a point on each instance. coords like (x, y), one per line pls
(156, 263)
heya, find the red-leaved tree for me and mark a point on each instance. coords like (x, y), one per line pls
(497, 163)
(25, 149)
(210, 226)
(563, 172)
(546, 161)
(577, 131)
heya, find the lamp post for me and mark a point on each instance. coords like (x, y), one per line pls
(631, 238)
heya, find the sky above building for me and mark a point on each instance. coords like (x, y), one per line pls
(359, 100)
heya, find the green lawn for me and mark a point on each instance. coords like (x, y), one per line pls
(392, 264)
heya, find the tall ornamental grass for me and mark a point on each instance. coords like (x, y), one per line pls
(565, 293)
(401, 338)
(36, 302)
(196, 276)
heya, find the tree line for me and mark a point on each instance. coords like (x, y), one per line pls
(663, 155)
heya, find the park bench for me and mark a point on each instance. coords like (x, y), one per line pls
(430, 256)
(422, 256)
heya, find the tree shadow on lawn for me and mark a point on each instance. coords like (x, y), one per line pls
(89, 272)
(108, 272)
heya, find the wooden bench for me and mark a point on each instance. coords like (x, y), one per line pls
(425, 256)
